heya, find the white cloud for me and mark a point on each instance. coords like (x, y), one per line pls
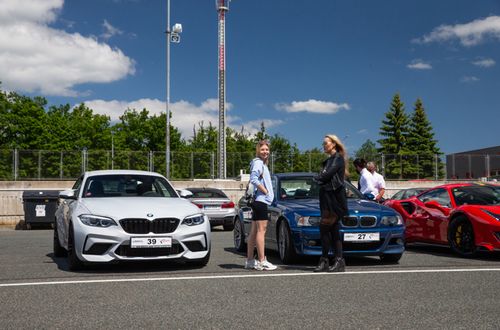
(109, 30)
(38, 58)
(484, 63)
(419, 65)
(469, 34)
(185, 115)
(362, 131)
(469, 79)
(313, 106)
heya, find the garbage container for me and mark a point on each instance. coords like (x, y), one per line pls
(39, 207)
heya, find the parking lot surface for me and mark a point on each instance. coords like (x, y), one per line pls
(430, 288)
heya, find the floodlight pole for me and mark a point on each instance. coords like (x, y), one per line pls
(167, 138)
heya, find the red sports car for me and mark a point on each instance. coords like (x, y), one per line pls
(465, 216)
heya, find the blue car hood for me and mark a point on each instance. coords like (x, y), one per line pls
(356, 206)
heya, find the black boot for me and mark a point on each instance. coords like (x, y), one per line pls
(338, 266)
(322, 265)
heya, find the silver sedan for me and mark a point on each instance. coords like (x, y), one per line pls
(216, 205)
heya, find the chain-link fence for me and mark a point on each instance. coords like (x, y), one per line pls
(67, 165)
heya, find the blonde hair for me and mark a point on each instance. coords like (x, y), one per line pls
(257, 149)
(340, 148)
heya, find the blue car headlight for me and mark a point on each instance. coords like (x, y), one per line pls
(392, 220)
(306, 221)
(96, 220)
(194, 220)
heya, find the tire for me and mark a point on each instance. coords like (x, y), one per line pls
(59, 251)
(228, 227)
(239, 236)
(201, 262)
(285, 246)
(73, 261)
(461, 237)
(391, 258)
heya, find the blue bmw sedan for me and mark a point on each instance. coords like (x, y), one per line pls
(370, 229)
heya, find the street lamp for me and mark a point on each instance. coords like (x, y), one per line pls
(173, 35)
(112, 149)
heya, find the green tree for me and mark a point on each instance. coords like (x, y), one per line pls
(422, 144)
(394, 131)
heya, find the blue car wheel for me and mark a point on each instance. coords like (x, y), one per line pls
(285, 244)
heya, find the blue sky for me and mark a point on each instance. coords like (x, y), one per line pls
(304, 67)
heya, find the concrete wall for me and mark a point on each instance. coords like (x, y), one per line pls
(11, 202)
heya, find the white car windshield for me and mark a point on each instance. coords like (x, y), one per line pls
(127, 185)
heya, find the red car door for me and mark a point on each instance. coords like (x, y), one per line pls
(431, 216)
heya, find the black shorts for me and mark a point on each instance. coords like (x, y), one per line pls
(259, 210)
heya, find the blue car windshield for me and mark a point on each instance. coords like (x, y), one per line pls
(304, 187)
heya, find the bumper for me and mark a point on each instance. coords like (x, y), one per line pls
(227, 220)
(487, 236)
(307, 242)
(94, 244)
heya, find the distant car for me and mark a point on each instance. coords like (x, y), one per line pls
(465, 216)
(215, 204)
(370, 229)
(404, 194)
(118, 215)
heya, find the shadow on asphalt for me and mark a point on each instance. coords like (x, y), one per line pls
(126, 266)
(446, 252)
(303, 262)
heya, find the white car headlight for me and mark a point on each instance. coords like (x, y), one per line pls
(392, 220)
(306, 221)
(96, 221)
(194, 220)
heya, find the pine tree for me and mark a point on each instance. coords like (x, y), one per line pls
(395, 132)
(422, 144)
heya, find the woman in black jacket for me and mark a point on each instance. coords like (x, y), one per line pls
(332, 203)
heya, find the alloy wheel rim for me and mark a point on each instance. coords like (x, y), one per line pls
(463, 238)
(237, 234)
(282, 241)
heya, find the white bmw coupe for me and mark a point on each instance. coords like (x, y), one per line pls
(118, 215)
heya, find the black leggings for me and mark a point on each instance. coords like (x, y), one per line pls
(330, 235)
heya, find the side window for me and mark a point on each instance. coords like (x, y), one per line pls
(439, 195)
(398, 195)
(78, 185)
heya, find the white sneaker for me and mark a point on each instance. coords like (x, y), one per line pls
(264, 265)
(250, 264)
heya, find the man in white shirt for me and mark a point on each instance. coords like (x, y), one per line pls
(366, 182)
(378, 181)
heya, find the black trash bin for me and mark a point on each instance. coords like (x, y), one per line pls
(40, 207)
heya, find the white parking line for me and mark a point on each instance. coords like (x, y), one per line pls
(254, 275)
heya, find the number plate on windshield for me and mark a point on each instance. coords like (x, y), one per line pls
(361, 237)
(150, 242)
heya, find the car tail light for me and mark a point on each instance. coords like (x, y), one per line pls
(229, 205)
(199, 205)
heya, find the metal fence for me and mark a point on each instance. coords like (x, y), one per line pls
(67, 165)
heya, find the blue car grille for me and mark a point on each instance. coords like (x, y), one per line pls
(145, 226)
(355, 221)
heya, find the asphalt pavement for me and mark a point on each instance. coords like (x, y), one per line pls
(431, 288)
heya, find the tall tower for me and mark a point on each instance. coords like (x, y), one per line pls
(222, 8)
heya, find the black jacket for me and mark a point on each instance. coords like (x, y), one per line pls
(332, 175)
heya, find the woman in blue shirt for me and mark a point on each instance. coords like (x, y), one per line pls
(264, 195)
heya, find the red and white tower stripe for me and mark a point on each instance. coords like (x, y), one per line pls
(222, 7)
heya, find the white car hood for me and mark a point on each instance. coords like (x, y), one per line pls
(139, 207)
